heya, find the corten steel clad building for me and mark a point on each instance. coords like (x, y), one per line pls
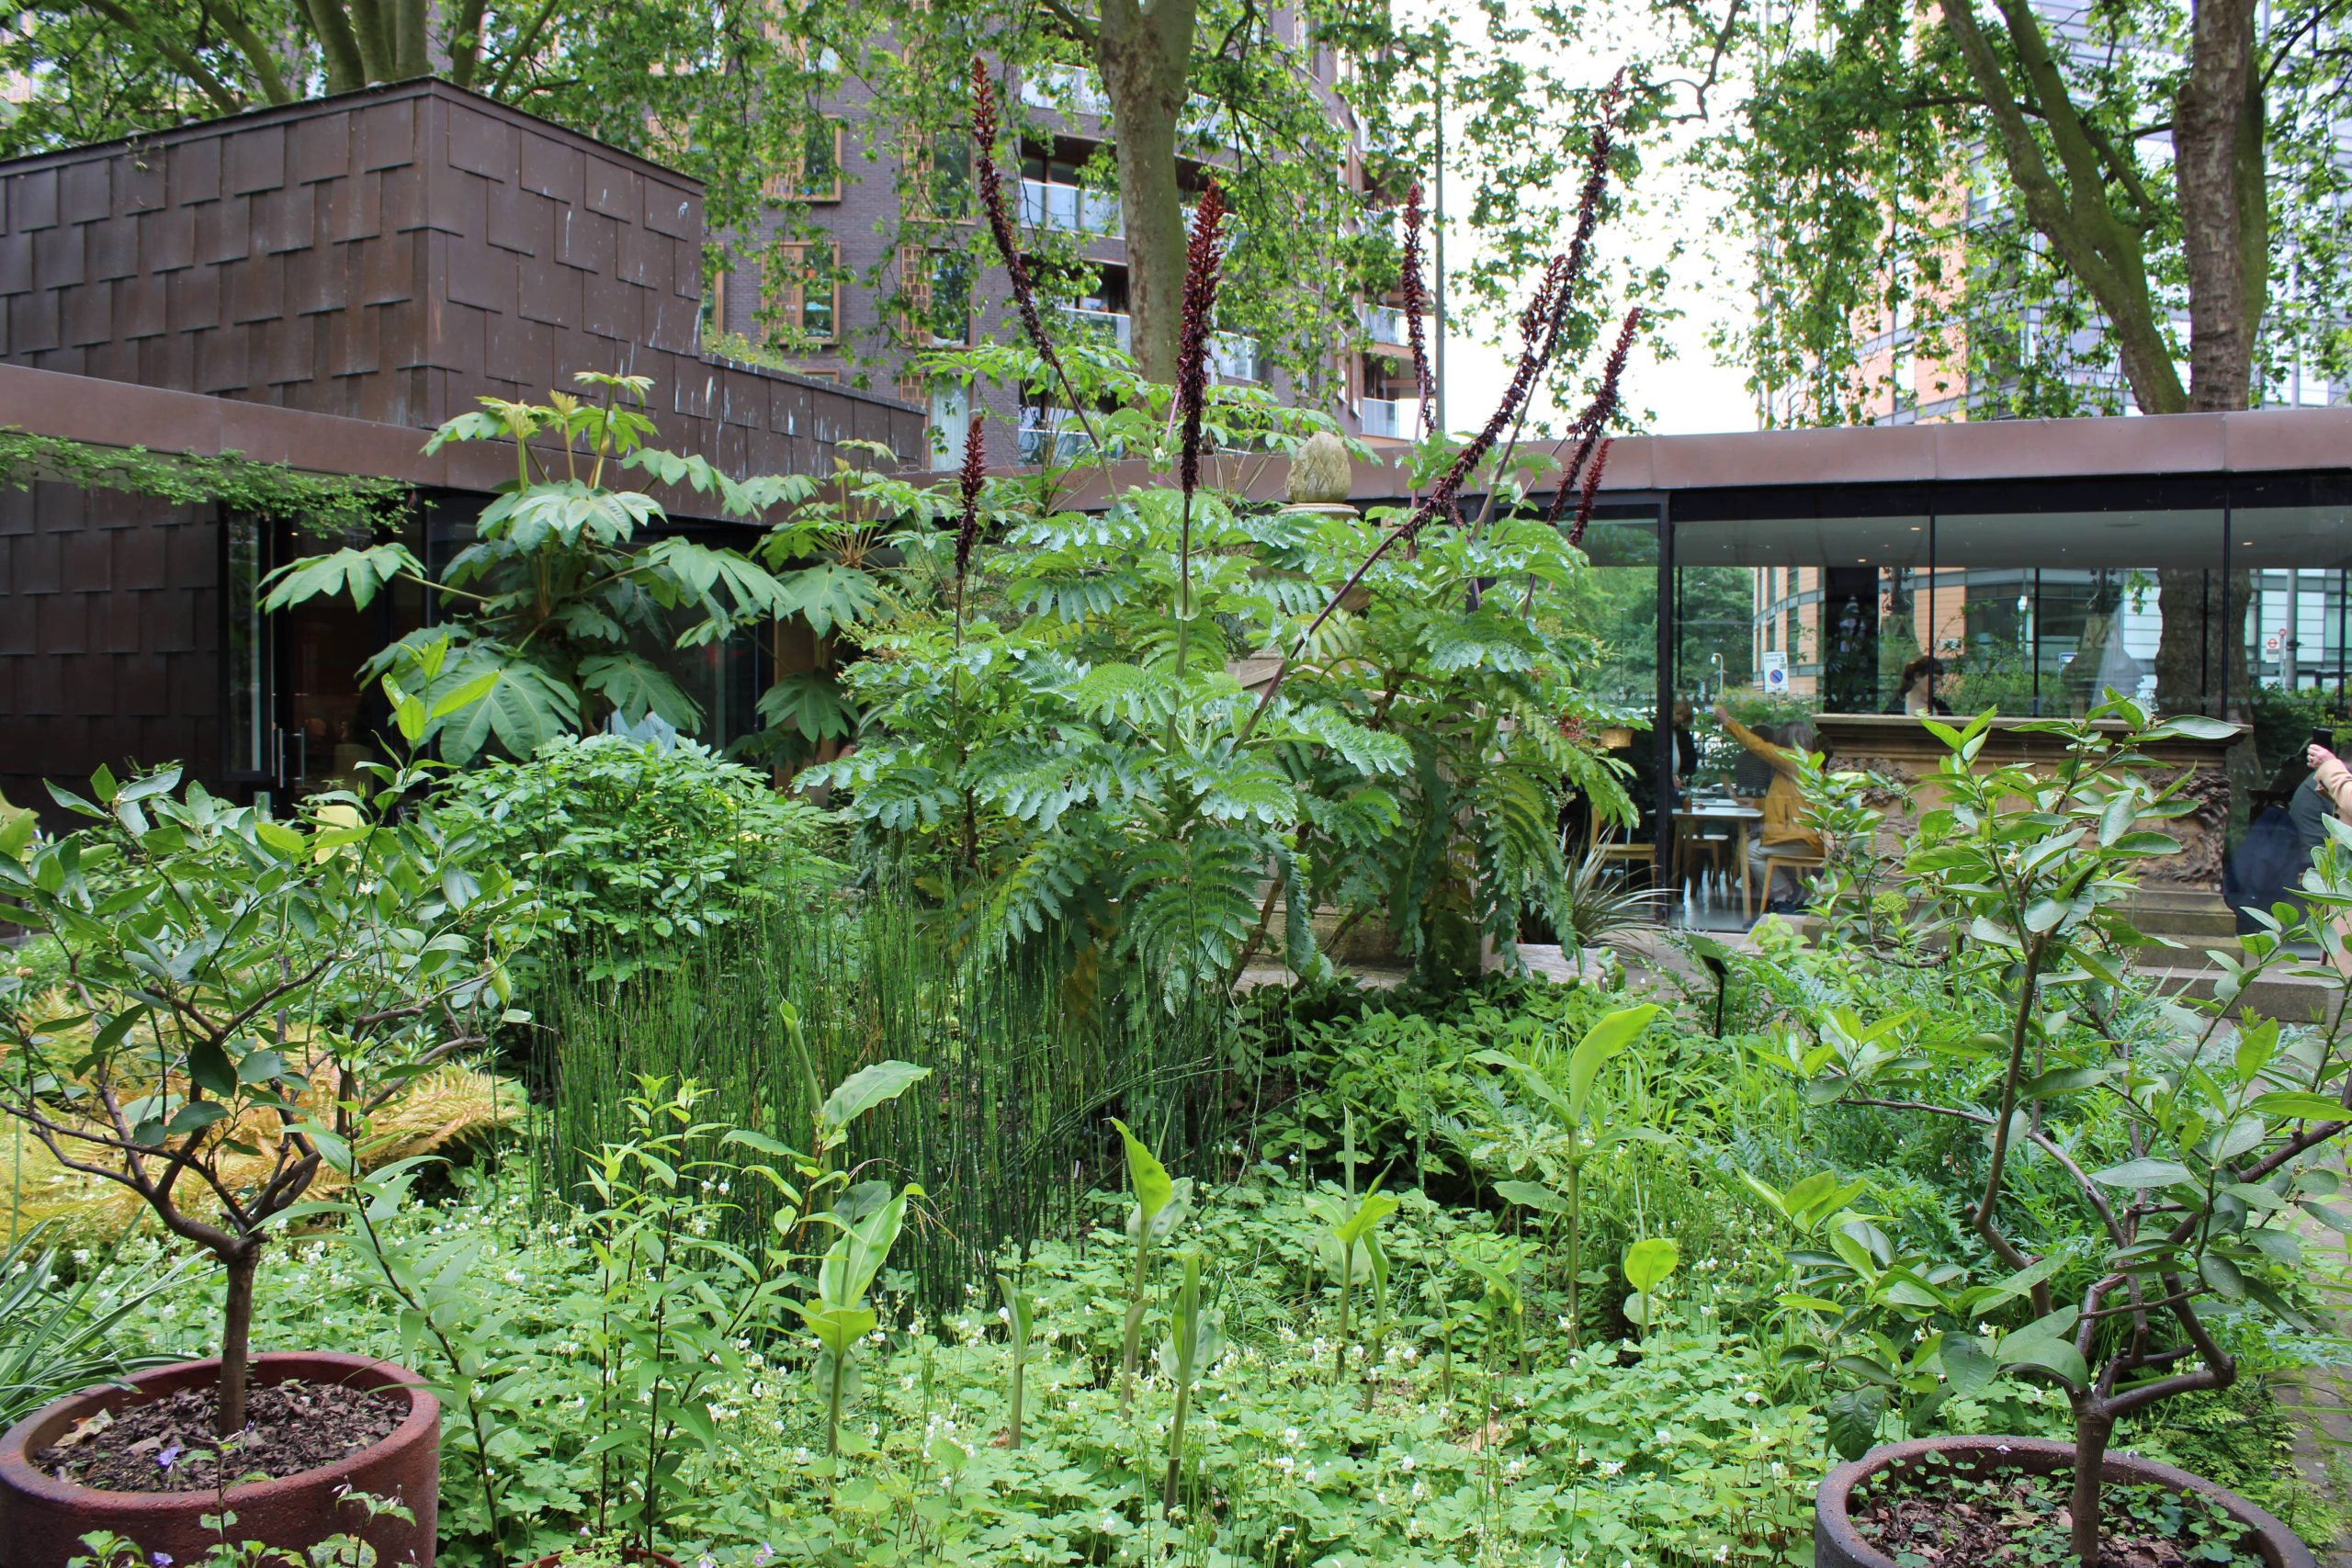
(321, 285)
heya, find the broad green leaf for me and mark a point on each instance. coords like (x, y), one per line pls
(1648, 1262)
(1853, 1417)
(1967, 1363)
(1606, 1039)
(1146, 1175)
(2303, 1107)
(2046, 1351)
(1531, 1195)
(867, 1088)
(2144, 1173)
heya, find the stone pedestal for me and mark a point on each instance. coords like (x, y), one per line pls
(1900, 747)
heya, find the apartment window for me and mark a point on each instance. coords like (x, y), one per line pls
(951, 415)
(816, 174)
(941, 171)
(937, 285)
(805, 294)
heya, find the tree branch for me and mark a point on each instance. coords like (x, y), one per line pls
(225, 98)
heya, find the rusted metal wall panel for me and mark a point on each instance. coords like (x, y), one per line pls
(389, 255)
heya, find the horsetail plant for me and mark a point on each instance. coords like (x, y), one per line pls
(1194, 1336)
(1159, 1209)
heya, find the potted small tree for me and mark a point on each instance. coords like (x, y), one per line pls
(2191, 1143)
(243, 993)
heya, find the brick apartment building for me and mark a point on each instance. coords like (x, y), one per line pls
(855, 188)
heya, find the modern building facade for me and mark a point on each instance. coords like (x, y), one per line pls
(320, 286)
(873, 201)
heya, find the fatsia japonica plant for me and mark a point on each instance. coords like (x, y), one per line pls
(571, 597)
(1148, 718)
(2191, 1139)
(243, 993)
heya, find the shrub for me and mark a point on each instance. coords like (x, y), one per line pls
(632, 844)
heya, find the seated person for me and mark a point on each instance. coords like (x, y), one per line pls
(1915, 689)
(1784, 831)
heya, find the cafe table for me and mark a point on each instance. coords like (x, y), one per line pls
(1741, 818)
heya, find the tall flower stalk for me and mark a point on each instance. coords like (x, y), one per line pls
(1540, 328)
(1415, 288)
(1008, 242)
(1581, 476)
(1570, 267)
(1204, 257)
(974, 474)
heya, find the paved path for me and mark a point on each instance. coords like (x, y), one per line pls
(2320, 1402)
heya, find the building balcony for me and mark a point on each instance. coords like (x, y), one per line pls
(1075, 89)
(1398, 419)
(1235, 357)
(1108, 328)
(1388, 326)
(1047, 205)
(1072, 88)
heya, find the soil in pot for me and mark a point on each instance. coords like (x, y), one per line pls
(1931, 1517)
(169, 1444)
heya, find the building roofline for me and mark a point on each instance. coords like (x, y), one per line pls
(123, 416)
(338, 103)
(2160, 445)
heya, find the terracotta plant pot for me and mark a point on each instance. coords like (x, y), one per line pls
(1837, 1544)
(43, 1519)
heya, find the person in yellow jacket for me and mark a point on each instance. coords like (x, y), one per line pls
(1785, 833)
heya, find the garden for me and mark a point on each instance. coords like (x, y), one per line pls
(565, 1148)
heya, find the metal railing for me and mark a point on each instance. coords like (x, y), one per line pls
(1104, 326)
(1234, 356)
(1399, 418)
(1046, 204)
(1386, 323)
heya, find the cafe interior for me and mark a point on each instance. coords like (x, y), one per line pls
(1828, 614)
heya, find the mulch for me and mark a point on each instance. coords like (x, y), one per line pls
(169, 1445)
(2022, 1521)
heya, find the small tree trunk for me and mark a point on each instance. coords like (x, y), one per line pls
(236, 1335)
(2091, 1434)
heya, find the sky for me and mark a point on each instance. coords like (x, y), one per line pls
(1674, 375)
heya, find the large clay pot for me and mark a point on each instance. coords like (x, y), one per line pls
(1836, 1544)
(43, 1520)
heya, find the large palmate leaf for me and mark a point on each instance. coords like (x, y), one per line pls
(635, 686)
(569, 512)
(828, 595)
(524, 708)
(361, 573)
(811, 702)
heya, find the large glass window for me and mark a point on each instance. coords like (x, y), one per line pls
(1786, 616)
(2043, 611)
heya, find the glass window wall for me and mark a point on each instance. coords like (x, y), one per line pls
(1795, 608)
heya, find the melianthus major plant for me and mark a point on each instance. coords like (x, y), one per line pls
(1174, 714)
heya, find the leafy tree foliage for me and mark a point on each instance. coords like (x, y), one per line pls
(2048, 206)
(1088, 764)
